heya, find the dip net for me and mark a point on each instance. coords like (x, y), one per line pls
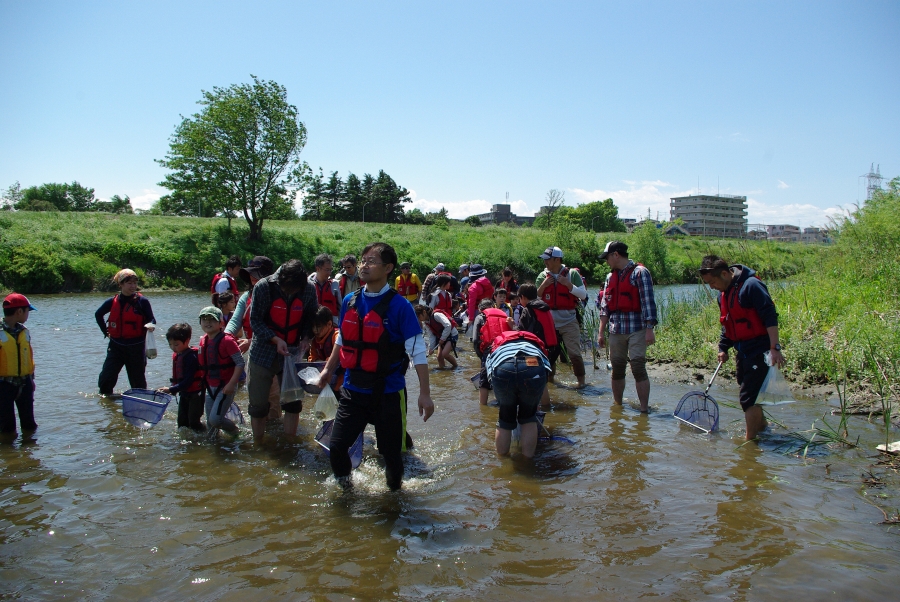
(144, 408)
(698, 410)
(323, 438)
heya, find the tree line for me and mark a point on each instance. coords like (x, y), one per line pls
(61, 197)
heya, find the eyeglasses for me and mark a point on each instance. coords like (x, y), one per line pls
(370, 261)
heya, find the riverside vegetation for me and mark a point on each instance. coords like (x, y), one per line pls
(838, 308)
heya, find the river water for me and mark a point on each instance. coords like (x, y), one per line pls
(93, 508)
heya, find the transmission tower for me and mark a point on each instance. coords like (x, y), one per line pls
(873, 181)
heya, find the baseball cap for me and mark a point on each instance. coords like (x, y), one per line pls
(259, 267)
(16, 300)
(440, 268)
(406, 265)
(463, 267)
(613, 246)
(211, 311)
(551, 252)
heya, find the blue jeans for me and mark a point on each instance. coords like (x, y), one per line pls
(518, 388)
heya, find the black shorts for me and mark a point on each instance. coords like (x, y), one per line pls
(751, 372)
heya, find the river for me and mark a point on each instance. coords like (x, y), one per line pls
(639, 506)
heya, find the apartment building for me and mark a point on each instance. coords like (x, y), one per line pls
(723, 215)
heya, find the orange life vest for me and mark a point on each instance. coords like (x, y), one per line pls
(285, 316)
(178, 371)
(125, 320)
(741, 323)
(558, 296)
(495, 324)
(621, 294)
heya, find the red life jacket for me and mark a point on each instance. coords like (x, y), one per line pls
(543, 326)
(444, 301)
(285, 315)
(494, 325)
(325, 296)
(212, 364)
(558, 296)
(741, 323)
(367, 349)
(231, 282)
(178, 372)
(436, 327)
(621, 294)
(443, 274)
(406, 287)
(125, 320)
(485, 290)
(517, 335)
(245, 323)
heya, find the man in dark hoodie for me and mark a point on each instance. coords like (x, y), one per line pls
(750, 325)
(537, 319)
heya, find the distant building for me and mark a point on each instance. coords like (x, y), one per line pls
(500, 214)
(783, 233)
(815, 235)
(722, 215)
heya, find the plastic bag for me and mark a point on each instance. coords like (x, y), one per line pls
(291, 387)
(775, 390)
(326, 405)
(150, 345)
(310, 376)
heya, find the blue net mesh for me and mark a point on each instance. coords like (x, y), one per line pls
(323, 438)
(144, 408)
(698, 410)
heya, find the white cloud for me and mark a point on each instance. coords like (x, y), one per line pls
(635, 200)
(463, 209)
(796, 214)
(782, 185)
(141, 201)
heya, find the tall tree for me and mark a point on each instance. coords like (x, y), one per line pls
(11, 197)
(555, 199)
(334, 196)
(116, 204)
(354, 198)
(313, 191)
(243, 144)
(599, 216)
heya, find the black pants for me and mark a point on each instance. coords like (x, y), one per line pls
(190, 410)
(130, 356)
(17, 397)
(751, 372)
(387, 411)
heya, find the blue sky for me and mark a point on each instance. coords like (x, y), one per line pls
(462, 103)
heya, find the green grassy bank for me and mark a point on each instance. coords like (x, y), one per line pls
(56, 252)
(839, 316)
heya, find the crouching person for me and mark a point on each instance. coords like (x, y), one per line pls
(517, 368)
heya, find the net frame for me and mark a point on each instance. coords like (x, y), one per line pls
(699, 410)
(144, 408)
(323, 438)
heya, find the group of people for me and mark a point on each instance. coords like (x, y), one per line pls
(367, 333)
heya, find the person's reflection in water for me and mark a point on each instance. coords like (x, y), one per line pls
(746, 537)
(631, 511)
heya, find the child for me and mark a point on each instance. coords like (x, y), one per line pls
(441, 299)
(515, 310)
(226, 302)
(187, 378)
(130, 317)
(221, 362)
(16, 367)
(487, 325)
(500, 301)
(537, 319)
(443, 333)
(322, 344)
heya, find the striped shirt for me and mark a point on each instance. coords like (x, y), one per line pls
(511, 350)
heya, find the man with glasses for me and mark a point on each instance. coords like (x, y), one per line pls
(628, 306)
(379, 333)
(750, 325)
